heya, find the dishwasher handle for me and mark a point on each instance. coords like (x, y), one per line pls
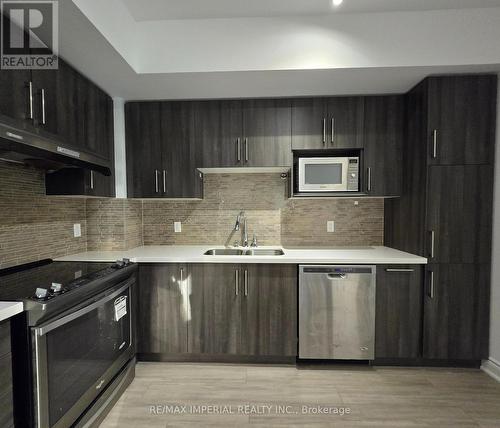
(337, 276)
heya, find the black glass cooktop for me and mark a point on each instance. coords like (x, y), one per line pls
(21, 282)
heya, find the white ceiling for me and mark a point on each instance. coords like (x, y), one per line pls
(154, 10)
(258, 57)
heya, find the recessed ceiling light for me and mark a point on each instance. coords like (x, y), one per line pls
(337, 3)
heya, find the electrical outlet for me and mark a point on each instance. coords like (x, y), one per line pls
(330, 226)
(77, 230)
(177, 227)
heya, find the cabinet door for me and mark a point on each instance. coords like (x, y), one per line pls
(269, 310)
(14, 94)
(218, 133)
(461, 119)
(459, 212)
(180, 152)
(309, 123)
(456, 311)
(267, 133)
(383, 139)
(345, 122)
(163, 311)
(143, 141)
(6, 393)
(398, 325)
(46, 92)
(214, 308)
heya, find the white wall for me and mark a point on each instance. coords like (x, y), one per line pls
(120, 155)
(365, 40)
(493, 365)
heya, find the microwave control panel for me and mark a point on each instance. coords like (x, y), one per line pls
(353, 175)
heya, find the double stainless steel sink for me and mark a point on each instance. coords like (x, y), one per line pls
(244, 252)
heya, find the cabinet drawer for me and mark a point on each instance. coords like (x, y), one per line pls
(4, 338)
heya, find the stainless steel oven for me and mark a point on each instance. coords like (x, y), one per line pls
(328, 174)
(78, 353)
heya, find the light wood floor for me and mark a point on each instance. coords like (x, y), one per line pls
(380, 397)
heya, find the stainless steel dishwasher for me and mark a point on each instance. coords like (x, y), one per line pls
(337, 312)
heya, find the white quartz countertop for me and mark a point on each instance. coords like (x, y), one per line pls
(9, 309)
(194, 254)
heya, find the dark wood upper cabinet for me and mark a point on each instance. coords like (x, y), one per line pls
(398, 326)
(383, 135)
(162, 309)
(144, 148)
(94, 118)
(327, 123)
(456, 311)
(461, 119)
(218, 128)
(309, 123)
(180, 151)
(214, 300)
(269, 310)
(459, 213)
(267, 133)
(345, 122)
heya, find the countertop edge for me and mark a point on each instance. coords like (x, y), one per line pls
(9, 309)
(195, 255)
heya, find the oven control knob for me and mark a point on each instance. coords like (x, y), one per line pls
(41, 293)
(126, 262)
(56, 288)
(119, 264)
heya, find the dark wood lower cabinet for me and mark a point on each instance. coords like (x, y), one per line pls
(163, 310)
(6, 398)
(456, 311)
(269, 310)
(214, 297)
(398, 311)
(217, 309)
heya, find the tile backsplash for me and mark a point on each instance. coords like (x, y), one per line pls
(34, 226)
(113, 224)
(270, 215)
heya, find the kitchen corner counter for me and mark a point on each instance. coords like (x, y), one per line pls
(9, 309)
(194, 254)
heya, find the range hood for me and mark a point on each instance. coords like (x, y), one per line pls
(22, 146)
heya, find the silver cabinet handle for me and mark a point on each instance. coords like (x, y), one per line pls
(30, 86)
(333, 130)
(431, 288)
(238, 149)
(246, 282)
(43, 107)
(164, 181)
(182, 274)
(236, 281)
(369, 179)
(157, 189)
(434, 143)
(91, 179)
(324, 131)
(433, 240)
(400, 270)
(246, 149)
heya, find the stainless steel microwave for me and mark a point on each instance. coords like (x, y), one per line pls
(328, 174)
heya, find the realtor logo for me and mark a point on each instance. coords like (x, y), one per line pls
(29, 36)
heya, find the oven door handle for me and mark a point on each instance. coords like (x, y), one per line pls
(46, 328)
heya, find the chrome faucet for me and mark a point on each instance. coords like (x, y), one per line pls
(244, 238)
